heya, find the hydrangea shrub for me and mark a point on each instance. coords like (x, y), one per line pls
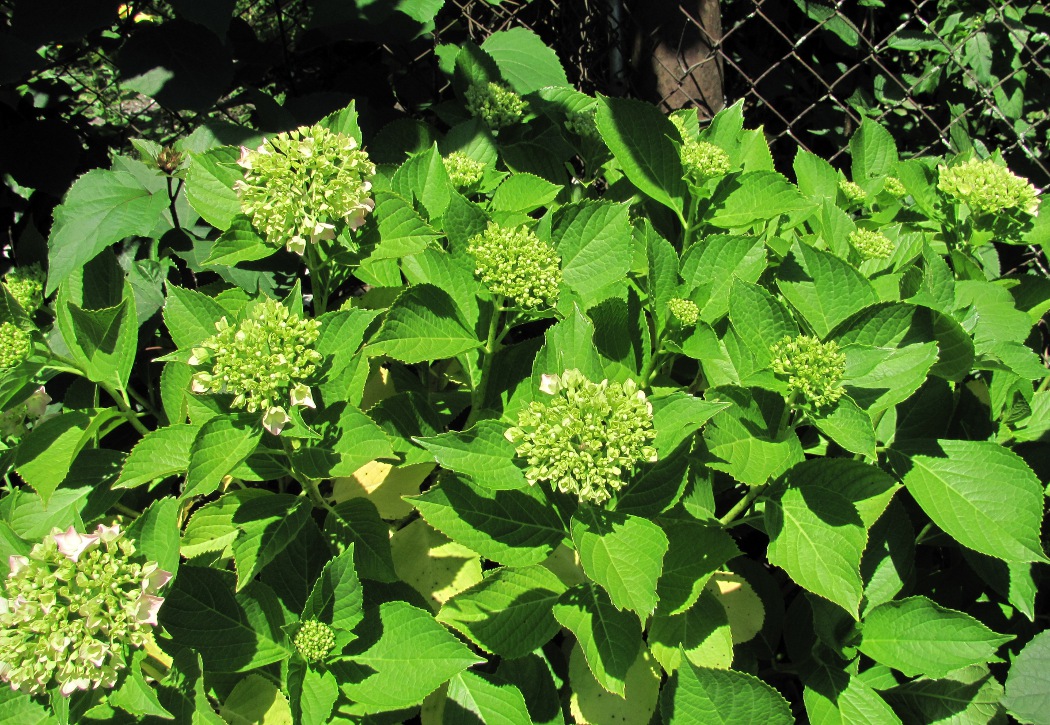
(555, 409)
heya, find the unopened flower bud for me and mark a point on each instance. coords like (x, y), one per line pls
(314, 640)
(872, 244)
(853, 192)
(495, 105)
(26, 285)
(464, 172)
(894, 187)
(517, 264)
(987, 188)
(703, 160)
(685, 311)
(813, 369)
(16, 345)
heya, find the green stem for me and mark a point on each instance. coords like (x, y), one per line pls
(172, 196)
(743, 504)
(477, 395)
(125, 408)
(318, 283)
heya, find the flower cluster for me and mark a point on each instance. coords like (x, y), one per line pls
(314, 640)
(517, 264)
(582, 123)
(33, 408)
(263, 360)
(685, 311)
(986, 187)
(463, 171)
(299, 184)
(587, 438)
(813, 369)
(703, 160)
(16, 345)
(894, 187)
(73, 607)
(871, 244)
(26, 285)
(495, 105)
(853, 192)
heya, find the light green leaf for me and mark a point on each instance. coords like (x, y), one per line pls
(889, 560)
(356, 523)
(704, 695)
(524, 193)
(233, 633)
(473, 698)
(156, 533)
(834, 697)
(211, 527)
(823, 288)
(756, 197)
(239, 243)
(100, 209)
(413, 657)
(622, 553)
(450, 273)
(676, 417)
(981, 494)
(594, 241)
(161, 453)
(701, 634)
(209, 185)
(759, 318)
(424, 178)
(509, 612)
(874, 155)
(102, 341)
(745, 438)
(711, 268)
(524, 60)
(45, 454)
(1027, 696)
(319, 694)
(817, 178)
(639, 136)
(610, 639)
(268, 524)
(568, 345)
(401, 230)
(879, 378)
(920, 637)
(696, 550)
(337, 597)
(190, 316)
(135, 695)
(422, 325)
(221, 444)
(516, 528)
(849, 426)
(482, 452)
(256, 700)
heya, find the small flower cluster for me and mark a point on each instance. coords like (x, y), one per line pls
(73, 607)
(894, 187)
(314, 640)
(986, 187)
(495, 105)
(871, 244)
(33, 408)
(685, 311)
(853, 192)
(703, 160)
(263, 360)
(517, 264)
(582, 123)
(298, 185)
(463, 171)
(587, 438)
(26, 285)
(813, 369)
(16, 345)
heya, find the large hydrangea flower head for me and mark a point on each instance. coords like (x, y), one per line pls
(872, 244)
(265, 361)
(298, 185)
(16, 345)
(464, 172)
(515, 263)
(495, 105)
(587, 438)
(814, 369)
(26, 285)
(73, 608)
(987, 188)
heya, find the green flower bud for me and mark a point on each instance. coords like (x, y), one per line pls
(74, 608)
(894, 187)
(300, 184)
(587, 438)
(463, 171)
(495, 105)
(853, 192)
(517, 264)
(26, 285)
(987, 188)
(871, 244)
(703, 160)
(314, 641)
(813, 369)
(685, 311)
(582, 123)
(15, 345)
(263, 360)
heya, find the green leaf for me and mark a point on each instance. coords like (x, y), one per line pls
(413, 657)
(696, 550)
(756, 197)
(30, 518)
(156, 533)
(569, 345)
(524, 60)
(515, 528)
(524, 193)
(639, 136)
(190, 316)
(45, 455)
(609, 638)
(482, 452)
(211, 527)
(472, 698)
(421, 325)
(970, 696)
(1027, 697)
(239, 243)
(100, 209)
(318, 696)
(267, 524)
(676, 417)
(920, 637)
(744, 438)
(293, 572)
(337, 598)
(401, 230)
(356, 523)
(349, 440)
(255, 699)
(221, 444)
(816, 534)
(709, 269)
(102, 341)
(622, 553)
(874, 155)
(424, 178)
(981, 494)
(161, 453)
(834, 697)
(759, 318)
(823, 288)
(232, 633)
(700, 694)
(534, 679)
(135, 695)
(702, 635)
(594, 241)
(879, 378)
(817, 178)
(344, 121)
(509, 612)
(849, 426)
(442, 270)
(209, 186)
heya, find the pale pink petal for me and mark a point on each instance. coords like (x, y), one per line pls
(72, 544)
(275, 419)
(296, 245)
(68, 688)
(108, 533)
(301, 395)
(155, 580)
(149, 605)
(245, 160)
(37, 404)
(17, 563)
(549, 384)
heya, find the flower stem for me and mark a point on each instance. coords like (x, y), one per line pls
(477, 395)
(743, 504)
(125, 409)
